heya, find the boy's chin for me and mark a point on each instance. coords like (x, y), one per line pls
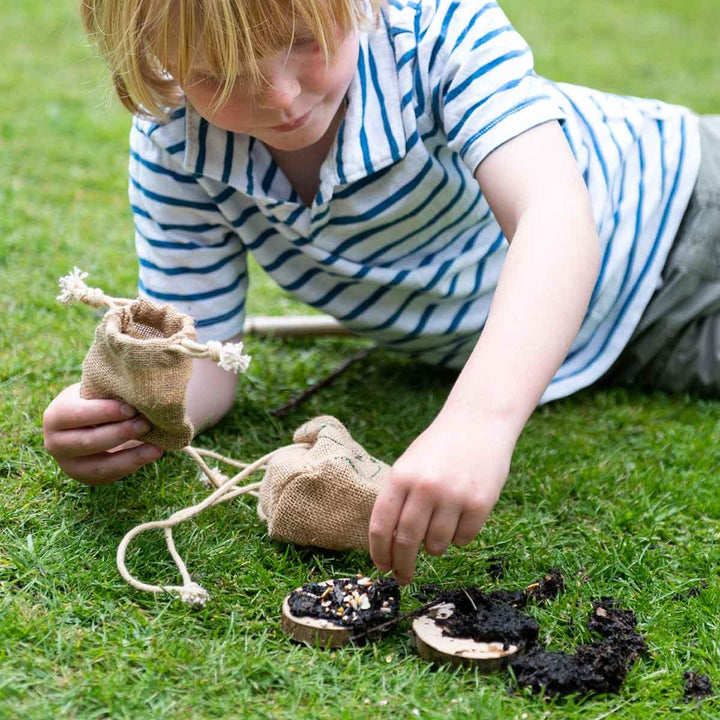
(318, 128)
(297, 140)
(287, 144)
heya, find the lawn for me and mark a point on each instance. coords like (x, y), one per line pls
(615, 487)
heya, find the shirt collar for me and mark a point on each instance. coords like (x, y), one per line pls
(370, 137)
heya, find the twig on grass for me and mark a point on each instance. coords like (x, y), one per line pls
(407, 616)
(295, 402)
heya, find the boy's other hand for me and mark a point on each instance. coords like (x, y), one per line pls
(96, 441)
(440, 491)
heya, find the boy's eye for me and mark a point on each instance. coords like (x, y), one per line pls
(304, 40)
(212, 79)
(204, 76)
(200, 79)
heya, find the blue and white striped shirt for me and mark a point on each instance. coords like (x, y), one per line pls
(399, 243)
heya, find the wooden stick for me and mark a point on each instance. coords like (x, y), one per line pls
(293, 326)
(369, 632)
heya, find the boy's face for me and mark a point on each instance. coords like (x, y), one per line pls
(295, 107)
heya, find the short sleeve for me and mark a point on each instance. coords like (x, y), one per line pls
(188, 253)
(481, 77)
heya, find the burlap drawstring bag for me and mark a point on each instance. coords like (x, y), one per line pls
(318, 491)
(142, 355)
(321, 491)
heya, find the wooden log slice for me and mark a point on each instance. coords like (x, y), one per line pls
(313, 631)
(432, 645)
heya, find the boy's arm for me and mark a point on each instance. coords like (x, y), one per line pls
(210, 392)
(444, 486)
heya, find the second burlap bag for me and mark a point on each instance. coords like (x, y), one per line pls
(322, 493)
(318, 491)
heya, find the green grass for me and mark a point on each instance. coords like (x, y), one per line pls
(614, 485)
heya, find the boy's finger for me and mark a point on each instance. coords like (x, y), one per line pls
(409, 533)
(90, 441)
(383, 520)
(468, 527)
(87, 413)
(441, 529)
(105, 468)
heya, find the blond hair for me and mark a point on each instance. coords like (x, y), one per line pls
(140, 38)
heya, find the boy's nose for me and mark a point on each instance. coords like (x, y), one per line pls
(280, 92)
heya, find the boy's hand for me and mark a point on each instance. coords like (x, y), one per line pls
(440, 491)
(95, 441)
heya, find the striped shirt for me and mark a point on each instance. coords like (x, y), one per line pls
(399, 244)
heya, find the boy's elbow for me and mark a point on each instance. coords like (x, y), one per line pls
(211, 417)
(210, 394)
(205, 416)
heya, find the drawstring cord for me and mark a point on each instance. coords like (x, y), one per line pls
(191, 592)
(229, 356)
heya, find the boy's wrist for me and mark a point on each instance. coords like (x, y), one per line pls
(473, 410)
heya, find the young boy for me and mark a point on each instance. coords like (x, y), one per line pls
(403, 169)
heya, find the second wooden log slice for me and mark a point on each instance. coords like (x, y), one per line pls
(431, 644)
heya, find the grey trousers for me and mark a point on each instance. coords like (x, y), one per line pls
(676, 346)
